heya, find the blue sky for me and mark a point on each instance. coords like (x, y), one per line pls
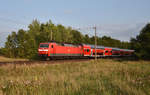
(120, 19)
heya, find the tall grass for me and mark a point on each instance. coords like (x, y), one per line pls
(107, 77)
(5, 59)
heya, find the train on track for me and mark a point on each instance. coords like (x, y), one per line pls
(56, 50)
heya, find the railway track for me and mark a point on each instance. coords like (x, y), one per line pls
(60, 61)
(44, 62)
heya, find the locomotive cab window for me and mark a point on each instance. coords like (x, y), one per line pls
(52, 46)
(44, 45)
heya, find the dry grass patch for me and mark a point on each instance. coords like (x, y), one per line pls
(5, 59)
(107, 77)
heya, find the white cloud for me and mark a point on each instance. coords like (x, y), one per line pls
(68, 12)
(121, 31)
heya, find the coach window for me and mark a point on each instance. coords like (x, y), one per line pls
(88, 50)
(106, 51)
(52, 46)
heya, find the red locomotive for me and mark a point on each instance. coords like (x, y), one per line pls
(53, 49)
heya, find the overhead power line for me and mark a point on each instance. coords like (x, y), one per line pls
(95, 30)
(4, 19)
(95, 45)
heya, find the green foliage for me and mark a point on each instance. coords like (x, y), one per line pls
(2, 51)
(141, 43)
(24, 43)
(107, 77)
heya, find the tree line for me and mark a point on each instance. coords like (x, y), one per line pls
(24, 43)
(141, 44)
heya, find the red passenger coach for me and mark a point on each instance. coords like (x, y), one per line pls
(100, 51)
(126, 52)
(115, 52)
(86, 50)
(108, 51)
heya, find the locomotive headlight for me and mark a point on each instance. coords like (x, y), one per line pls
(43, 49)
(46, 50)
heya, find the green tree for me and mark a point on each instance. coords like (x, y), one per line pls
(2, 51)
(141, 43)
(21, 43)
(87, 39)
(11, 45)
(77, 37)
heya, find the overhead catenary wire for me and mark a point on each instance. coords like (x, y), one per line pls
(95, 45)
(95, 36)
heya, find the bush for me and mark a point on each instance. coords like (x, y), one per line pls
(2, 51)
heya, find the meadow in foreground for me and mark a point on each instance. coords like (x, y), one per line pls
(107, 77)
(5, 59)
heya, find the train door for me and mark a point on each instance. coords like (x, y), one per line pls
(87, 52)
(52, 53)
(108, 52)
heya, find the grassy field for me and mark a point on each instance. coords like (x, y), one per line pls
(5, 59)
(107, 77)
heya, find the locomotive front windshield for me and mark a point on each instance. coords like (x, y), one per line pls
(44, 45)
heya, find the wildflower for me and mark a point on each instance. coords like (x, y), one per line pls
(27, 82)
(11, 81)
(3, 87)
(35, 78)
